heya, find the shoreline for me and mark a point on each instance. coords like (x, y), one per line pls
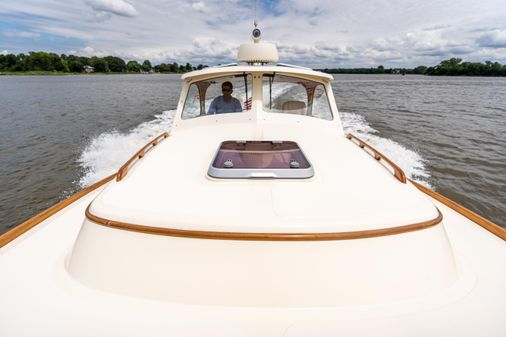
(60, 73)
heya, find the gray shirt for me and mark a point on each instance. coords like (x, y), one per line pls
(219, 106)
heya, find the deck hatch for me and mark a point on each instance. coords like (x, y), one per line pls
(260, 159)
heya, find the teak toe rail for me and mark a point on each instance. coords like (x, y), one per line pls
(124, 169)
(476, 218)
(398, 172)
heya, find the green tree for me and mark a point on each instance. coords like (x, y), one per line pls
(115, 64)
(75, 64)
(420, 70)
(133, 66)
(99, 64)
(7, 62)
(146, 66)
(163, 68)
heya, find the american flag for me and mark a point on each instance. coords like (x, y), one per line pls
(247, 104)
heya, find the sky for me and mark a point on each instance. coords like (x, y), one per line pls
(344, 33)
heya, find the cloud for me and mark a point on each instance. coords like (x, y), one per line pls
(199, 7)
(22, 34)
(348, 33)
(116, 7)
(493, 39)
(90, 51)
(4, 52)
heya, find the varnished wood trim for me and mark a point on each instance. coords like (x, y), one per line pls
(398, 172)
(124, 169)
(478, 219)
(194, 234)
(32, 222)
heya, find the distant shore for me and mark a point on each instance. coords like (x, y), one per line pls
(62, 73)
(50, 64)
(450, 67)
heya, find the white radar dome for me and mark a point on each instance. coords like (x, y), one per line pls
(257, 52)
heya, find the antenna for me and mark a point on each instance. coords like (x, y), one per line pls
(256, 32)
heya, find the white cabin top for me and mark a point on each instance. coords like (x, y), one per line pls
(280, 68)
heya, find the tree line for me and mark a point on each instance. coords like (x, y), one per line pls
(451, 67)
(42, 61)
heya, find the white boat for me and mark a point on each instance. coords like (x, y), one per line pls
(268, 221)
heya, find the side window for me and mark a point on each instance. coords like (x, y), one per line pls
(227, 94)
(192, 104)
(321, 107)
(285, 94)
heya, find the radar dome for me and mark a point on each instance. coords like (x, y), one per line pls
(257, 52)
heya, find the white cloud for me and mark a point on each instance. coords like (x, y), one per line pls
(493, 39)
(199, 7)
(4, 52)
(19, 33)
(116, 7)
(316, 34)
(90, 51)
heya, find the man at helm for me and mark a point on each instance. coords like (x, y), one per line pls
(225, 103)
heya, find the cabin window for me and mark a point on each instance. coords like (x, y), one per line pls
(286, 94)
(227, 94)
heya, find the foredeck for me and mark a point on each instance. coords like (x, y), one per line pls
(338, 198)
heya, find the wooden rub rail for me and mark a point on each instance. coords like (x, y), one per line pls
(124, 169)
(34, 221)
(398, 172)
(215, 235)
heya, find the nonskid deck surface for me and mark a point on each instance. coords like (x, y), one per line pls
(52, 303)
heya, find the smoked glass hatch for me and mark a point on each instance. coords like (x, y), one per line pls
(260, 159)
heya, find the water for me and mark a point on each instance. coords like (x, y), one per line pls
(448, 132)
(60, 134)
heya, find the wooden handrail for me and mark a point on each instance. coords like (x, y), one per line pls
(34, 221)
(124, 169)
(398, 172)
(477, 219)
(248, 236)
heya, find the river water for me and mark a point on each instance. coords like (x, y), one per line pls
(59, 134)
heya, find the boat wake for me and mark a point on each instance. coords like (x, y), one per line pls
(408, 160)
(105, 154)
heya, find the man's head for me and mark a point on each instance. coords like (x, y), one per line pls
(226, 89)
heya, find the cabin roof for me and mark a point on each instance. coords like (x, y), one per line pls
(280, 68)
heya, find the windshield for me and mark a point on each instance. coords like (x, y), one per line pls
(285, 94)
(226, 94)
